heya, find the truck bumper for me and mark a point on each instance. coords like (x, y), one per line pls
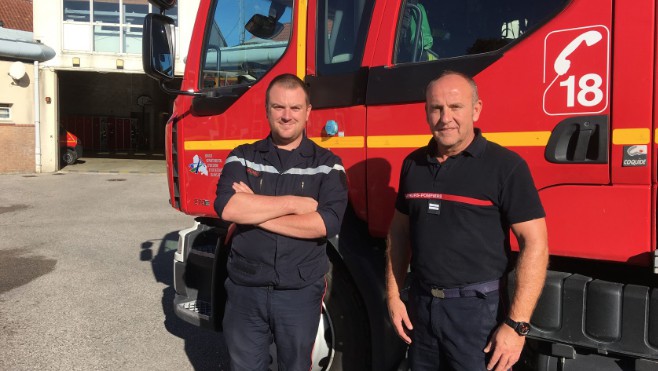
(578, 312)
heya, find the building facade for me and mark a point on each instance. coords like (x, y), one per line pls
(19, 56)
(17, 129)
(95, 86)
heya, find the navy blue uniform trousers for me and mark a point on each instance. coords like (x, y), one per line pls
(257, 316)
(451, 334)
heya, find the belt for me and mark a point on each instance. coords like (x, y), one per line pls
(480, 289)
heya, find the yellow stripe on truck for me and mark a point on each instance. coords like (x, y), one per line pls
(520, 138)
(508, 139)
(339, 142)
(397, 141)
(631, 136)
(511, 139)
(215, 145)
(301, 39)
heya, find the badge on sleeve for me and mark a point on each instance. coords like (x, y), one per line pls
(434, 207)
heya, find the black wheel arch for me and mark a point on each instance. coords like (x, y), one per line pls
(364, 258)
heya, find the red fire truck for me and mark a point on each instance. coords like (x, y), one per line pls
(567, 84)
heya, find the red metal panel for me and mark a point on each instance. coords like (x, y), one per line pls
(633, 71)
(383, 171)
(654, 158)
(190, 76)
(311, 26)
(170, 156)
(601, 227)
(349, 120)
(382, 19)
(380, 45)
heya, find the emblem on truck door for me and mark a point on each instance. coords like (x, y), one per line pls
(635, 155)
(198, 166)
(576, 64)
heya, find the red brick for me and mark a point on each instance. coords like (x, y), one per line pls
(17, 149)
(16, 14)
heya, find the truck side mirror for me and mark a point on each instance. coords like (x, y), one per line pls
(163, 4)
(267, 27)
(158, 47)
(263, 27)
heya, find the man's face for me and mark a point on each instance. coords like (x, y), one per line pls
(287, 113)
(451, 113)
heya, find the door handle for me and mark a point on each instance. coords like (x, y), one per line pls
(584, 135)
(579, 140)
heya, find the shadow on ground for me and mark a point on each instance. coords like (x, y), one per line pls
(205, 349)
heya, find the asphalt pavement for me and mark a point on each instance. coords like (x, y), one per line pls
(86, 259)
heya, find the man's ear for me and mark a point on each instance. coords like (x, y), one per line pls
(477, 108)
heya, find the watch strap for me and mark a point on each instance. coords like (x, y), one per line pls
(521, 328)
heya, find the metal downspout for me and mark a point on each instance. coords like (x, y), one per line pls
(37, 120)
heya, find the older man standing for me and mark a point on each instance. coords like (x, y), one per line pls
(458, 198)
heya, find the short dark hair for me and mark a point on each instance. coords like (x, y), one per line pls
(469, 79)
(289, 81)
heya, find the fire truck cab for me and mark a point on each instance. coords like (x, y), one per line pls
(568, 84)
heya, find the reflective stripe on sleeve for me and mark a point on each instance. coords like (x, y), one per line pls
(322, 169)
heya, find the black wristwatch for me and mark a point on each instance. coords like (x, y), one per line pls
(521, 328)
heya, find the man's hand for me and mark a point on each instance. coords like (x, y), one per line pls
(400, 319)
(398, 256)
(242, 188)
(506, 345)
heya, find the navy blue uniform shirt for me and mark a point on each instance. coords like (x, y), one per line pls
(460, 211)
(262, 258)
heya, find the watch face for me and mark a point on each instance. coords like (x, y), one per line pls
(523, 328)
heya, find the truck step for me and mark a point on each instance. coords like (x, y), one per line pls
(206, 250)
(200, 307)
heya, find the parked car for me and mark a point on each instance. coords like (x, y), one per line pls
(70, 146)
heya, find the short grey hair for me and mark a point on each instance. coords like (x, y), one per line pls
(469, 79)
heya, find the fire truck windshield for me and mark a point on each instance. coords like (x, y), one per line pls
(244, 41)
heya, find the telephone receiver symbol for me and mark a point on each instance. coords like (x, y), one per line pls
(562, 64)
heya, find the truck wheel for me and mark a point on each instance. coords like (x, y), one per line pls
(344, 345)
(69, 157)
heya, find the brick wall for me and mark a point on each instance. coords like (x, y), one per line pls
(17, 148)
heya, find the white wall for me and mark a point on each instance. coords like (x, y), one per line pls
(20, 94)
(49, 126)
(49, 29)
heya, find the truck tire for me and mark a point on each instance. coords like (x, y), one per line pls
(69, 157)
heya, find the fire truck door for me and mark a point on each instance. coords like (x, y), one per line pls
(544, 75)
(232, 61)
(337, 83)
